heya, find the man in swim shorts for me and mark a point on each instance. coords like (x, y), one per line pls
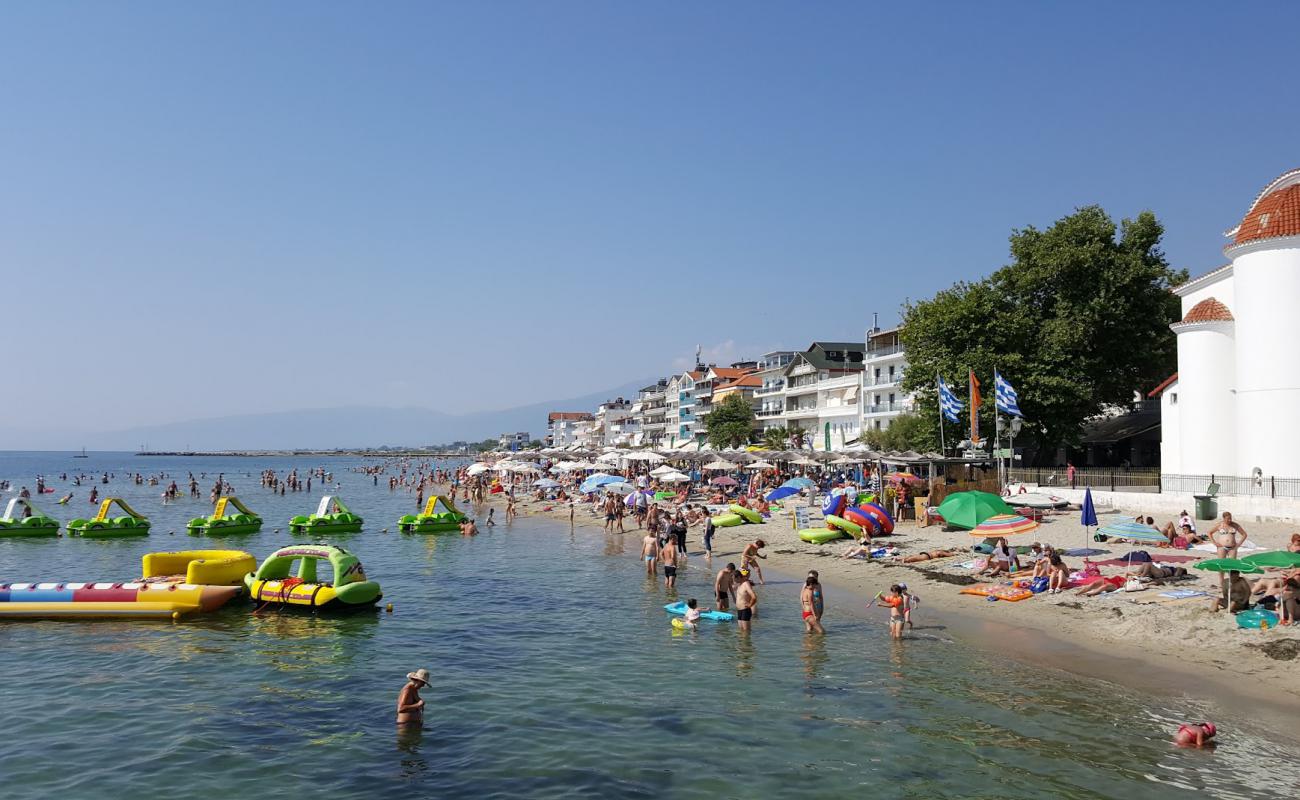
(746, 599)
(668, 557)
(724, 585)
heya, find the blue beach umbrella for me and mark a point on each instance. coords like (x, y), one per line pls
(781, 492)
(598, 480)
(1089, 516)
(546, 483)
(800, 483)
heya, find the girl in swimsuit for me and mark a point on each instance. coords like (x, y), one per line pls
(806, 602)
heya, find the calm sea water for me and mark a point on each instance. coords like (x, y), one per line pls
(556, 675)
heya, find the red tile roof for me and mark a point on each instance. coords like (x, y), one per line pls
(1276, 213)
(1208, 310)
(744, 382)
(1163, 385)
(731, 373)
(555, 416)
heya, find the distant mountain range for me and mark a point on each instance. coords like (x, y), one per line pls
(345, 427)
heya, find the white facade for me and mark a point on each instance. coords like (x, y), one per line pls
(563, 429)
(769, 398)
(613, 426)
(1231, 412)
(882, 380)
(513, 441)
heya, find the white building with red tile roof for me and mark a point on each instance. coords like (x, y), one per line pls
(1231, 411)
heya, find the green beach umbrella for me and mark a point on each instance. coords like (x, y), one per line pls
(968, 509)
(1274, 558)
(1228, 565)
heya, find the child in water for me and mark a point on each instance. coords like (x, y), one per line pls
(692, 614)
(895, 602)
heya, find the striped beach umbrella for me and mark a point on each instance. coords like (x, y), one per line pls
(1133, 531)
(1003, 525)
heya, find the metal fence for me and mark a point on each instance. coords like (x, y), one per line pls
(1262, 486)
(1114, 479)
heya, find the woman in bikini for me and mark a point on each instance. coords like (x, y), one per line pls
(929, 555)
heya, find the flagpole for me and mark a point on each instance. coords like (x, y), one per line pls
(997, 432)
(939, 393)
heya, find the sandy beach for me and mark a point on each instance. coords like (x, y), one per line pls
(1137, 639)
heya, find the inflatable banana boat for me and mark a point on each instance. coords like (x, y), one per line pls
(440, 516)
(22, 519)
(105, 527)
(174, 585)
(220, 525)
(747, 514)
(331, 517)
(327, 578)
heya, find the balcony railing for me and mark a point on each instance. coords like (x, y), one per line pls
(881, 352)
(769, 412)
(802, 411)
(885, 408)
(771, 389)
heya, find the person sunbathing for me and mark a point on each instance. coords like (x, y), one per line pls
(1102, 585)
(1043, 563)
(1273, 584)
(929, 555)
(1293, 547)
(858, 550)
(1058, 579)
(1156, 573)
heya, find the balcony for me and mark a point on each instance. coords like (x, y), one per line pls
(880, 352)
(801, 411)
(886, 408)
(838, 382)
(772, 389)
(803, 369)
(764, 413)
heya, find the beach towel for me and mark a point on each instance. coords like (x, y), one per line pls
(1209, 547)
(1157, 557)
(1183, 594)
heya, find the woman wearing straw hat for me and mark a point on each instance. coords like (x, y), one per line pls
(410, 708)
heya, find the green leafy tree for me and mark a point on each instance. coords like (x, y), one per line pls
(487, 444)
(775, 438)
(905, 432)
(1077, 322)
(536, 444)
(731, 422)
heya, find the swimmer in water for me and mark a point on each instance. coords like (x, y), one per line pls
(63, 501)
(895, 602)
(410, 708)
(1195, 734)
(806, 604)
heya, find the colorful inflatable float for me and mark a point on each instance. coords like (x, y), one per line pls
(727, 520)
(174, 585)
(327, 578)
(678, 609)
(23, 520)
(821, 535)
(221, 525)
(440, 516)
(331, 517)
(105, 527)
(747, 514)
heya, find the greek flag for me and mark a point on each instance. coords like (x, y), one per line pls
(948, 402)
(1007, 401)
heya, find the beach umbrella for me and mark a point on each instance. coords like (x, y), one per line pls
(760, 465)
(901, 475)
(968, 509)
(643, 455)
(1088, 517)
(477, 469)
(806, 462)
(1274, 558)
(799, 483)
(597, 480)
(675, 477)
(1042, 501)
(1133, 531)
(618, 487)
(663, 469)
(846, 461)
(719, 464)
(546, 483)
(782, 492)
(723, 481)
(1228, 565)
(1003, 525)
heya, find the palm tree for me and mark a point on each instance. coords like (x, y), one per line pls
(774, 438)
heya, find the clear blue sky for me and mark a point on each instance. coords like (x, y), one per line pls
(483, 204)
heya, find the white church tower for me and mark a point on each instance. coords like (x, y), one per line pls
(1233, 408)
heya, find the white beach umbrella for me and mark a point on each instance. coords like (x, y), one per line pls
(643, 455)
(609, 458)
(806, 462)
(662, 470)
(719, 464)
(674, 477)
(760, 465)
(477, 469)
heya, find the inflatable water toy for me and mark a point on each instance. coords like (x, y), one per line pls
(440, 516)
(331, 517)
(747, 514)
(820, 535)
(174, 584)
(199, 567)
(862, 519)
(834, 504)
(220, 525)
(127, 599)
(104, 527)
(883, 521)
(27, 522)
(678, 623)
(727, 520)
(664, 496)
(863, 498)
(842, 524)
(309, 588)
(1257, 618)
(997, 591)
(679, 609)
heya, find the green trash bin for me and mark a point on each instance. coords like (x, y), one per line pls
(1207, 506)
